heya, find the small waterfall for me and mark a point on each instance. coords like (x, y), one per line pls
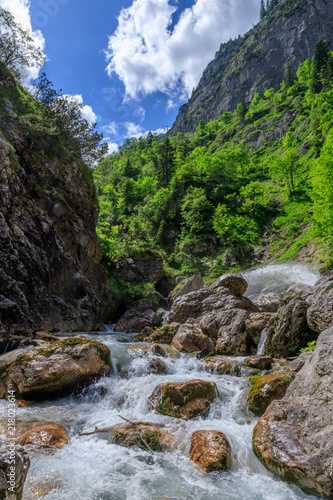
(261, 344)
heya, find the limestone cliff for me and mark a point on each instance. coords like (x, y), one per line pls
(50, 277)
(258, 61)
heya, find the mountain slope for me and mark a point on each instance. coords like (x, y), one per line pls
(258, 61)
(50, 276)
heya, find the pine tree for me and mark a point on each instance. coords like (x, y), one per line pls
(290, 80)
(166, 163)
(320, 59)
(262, 10)
(241, 108)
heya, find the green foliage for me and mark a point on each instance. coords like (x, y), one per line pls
(310, 347)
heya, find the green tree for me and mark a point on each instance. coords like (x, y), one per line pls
(166, 163)
(241, 108)
(320, 58)
(290, 79)
(263, 12)
(17, 47)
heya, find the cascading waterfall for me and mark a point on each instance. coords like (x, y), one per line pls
(91, 467)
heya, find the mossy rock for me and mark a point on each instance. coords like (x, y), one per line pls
(267, 388)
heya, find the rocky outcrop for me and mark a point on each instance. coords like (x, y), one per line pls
(193, 284)
(143, 270)
(9, 454)
(210, 450)
(132, 322)
(165, 334)
(235, 283)
(267, 388)
(57, 369)
(294, 436)
(184, 400)
(50, 277)
(289, 331)
(191, 339)
(258, 62)
(320, 297)
(260, 362)
(269, 302)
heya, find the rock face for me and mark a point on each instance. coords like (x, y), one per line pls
(57, 369)
(187, 400)
(254, 63)
(50, 277)
(193, 284)
(320, 297)
(210, 450)
(266, 389)
(294, 436)
(141, 434)
(289, 331)
(134, 270)
(260, 362)
(235, 283)
(190, 339)
(22, 464)
(132, 322)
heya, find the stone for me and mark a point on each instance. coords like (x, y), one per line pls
(269, 302)
(294, 436)
(223, 366)
(165, 334)
(158, 350)
(255, 324)
(22, 464)
(267, 388)
(139, 270)
(297, 364)
(233, 339)
(132, 322)
(41, 435)
(157, 366)
(140, 434)
(190, 339)
(192, 284)
(288, 331)
(58, 369)
(320, 298)
(234, 282)
(183, 400)
(259, 361)
(210, 450)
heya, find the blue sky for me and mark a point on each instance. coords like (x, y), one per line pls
(134, 62)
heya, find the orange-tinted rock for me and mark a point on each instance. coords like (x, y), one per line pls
(41, 435)
(21, 403)
(210, 450)
(183, 400)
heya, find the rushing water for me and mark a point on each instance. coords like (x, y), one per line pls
(92, 468)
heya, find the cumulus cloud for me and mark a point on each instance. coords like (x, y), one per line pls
(149, 53)
(86, 111)
(20, 9)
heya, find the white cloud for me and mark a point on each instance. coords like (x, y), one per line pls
(113, 147)
(148, 55)
(86, 111)
(133, 130)
(20, 9)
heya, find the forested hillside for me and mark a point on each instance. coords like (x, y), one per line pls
(257, 179)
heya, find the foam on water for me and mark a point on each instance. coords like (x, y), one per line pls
(91, 467)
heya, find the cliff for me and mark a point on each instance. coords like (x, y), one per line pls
(50, 277)
(257, 61)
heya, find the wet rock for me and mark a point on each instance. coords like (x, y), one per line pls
(190, 339)
(42, 488)
(223, 366)
(210, 450)
(57, 369)
(193, 284)
(22, 464)
(141, 434)
(269, 302)
(260, 362)
(267, 388)
(288, 331)
(165, 334)
(183, 400)
(157, 366)
(297, 364)
(235, 283)
(320, 298)
(233, 339)
(40, 435)
(255, 324)
(132, 322)
(294, 436)
(158, 350)
(21, 403)
(45, 337)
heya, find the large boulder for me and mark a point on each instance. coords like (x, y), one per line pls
(192, 284)
(12, 480)
(259, 361)
(57, 369)
(165, 334)
(234, 282)
(267, 388)
(139, 270)
(294, 436)
(132, 322)
(210, 450)
(141, 434)
(183, 400)
(269, 302)
(39, 434)
(232, 337)
(191, 339)
(288, 331)
(320, 298)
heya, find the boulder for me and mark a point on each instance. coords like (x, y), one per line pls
(193, 284)
(132, 322)
(267, 388)
(141, 434)
(157, 366)
(158, 350)
(10, 454)
(288, 331)
(255, 324)
(183, 400)
(260, 362)
(57, 369)
(233, 339)
(235, 283)
(210, 450)
(269, 302)
(139, 270)
(320, 297)
(190, 339)
(164, 335)
(297, 364)
(40, 435)
(294, 436)
(223, 366)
